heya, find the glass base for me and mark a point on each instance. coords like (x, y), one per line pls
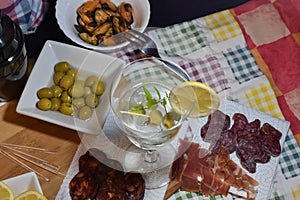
(154, 167)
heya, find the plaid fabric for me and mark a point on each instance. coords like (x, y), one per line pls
(182, 195)
(151, 73)
(28, 14)
(207, 70)
(242, 63)
(223, 25)
(290, 158)
(262, 97)
(213, 50)
(272, 31)
(182, 39)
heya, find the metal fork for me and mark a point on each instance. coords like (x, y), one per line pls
(148, 47)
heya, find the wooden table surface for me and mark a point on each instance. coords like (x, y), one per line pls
(23, 130)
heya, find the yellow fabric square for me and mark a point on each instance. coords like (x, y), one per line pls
(223, 25)
(262, 97)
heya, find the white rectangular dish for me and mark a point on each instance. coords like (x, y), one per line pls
(24, 182)
(88, 61)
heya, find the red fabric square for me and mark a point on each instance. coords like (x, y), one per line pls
(250, 5)
(289, 14)
(289, 115)
(283, 60)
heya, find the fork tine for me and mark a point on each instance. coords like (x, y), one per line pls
(138, 35)
(134, 39)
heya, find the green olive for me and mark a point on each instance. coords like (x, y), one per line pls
(85, 112)
(76, 91)
(79, 82)
(56, 91)
(55, 103)
(170, 118)
(78, 102)
(44, 104)
(66, 82)
(98, 87)
(92, 100)
(57, 77)
(155, 117)
(65, 97)
(45, 92)
(61, 66)
(66, 108)
(91, 80)
(87, 91)
(72, 72)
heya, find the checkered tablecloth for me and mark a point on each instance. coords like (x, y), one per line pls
(28, 14)
(228, 51)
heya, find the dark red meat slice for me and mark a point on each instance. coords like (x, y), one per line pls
(100, 178)
(83, 186)
(216, 123)
(247, 151)
(134, 186)
(270, 139)
(228, 139)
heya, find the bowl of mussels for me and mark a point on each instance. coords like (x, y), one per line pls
(95, 24)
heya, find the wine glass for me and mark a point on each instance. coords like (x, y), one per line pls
(139, 100)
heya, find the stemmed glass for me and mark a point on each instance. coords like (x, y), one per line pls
(139, 100)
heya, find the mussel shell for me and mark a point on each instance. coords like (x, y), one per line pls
(126, 11)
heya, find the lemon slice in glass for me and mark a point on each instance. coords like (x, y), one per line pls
(30, 195)
(194, 99)
(6, 193)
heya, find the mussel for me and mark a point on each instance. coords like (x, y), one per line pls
(126, 12)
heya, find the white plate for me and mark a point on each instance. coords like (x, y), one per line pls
(41, 76)
(66, 18)
(264, 174)
(24, 182)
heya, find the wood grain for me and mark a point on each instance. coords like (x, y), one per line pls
(23, 130)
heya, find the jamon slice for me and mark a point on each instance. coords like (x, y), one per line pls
(232, 173)
(216, 172)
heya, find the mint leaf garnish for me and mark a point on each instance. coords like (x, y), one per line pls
(151, 102)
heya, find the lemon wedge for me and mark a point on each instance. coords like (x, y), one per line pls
(194, 99)
(6, 193)
(30, 195)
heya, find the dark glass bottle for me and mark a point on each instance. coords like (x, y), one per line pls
(13, 59)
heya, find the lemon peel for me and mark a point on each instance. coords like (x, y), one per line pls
(194, 99)
(6, 192)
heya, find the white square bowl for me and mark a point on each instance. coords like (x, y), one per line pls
(86, 61)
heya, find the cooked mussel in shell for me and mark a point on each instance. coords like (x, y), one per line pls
(126, 12)
(98, 20)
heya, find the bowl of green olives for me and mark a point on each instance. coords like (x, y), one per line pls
(67, 87)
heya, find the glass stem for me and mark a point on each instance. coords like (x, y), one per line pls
(150, 156)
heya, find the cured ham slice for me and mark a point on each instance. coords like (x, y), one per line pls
(199, 170)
